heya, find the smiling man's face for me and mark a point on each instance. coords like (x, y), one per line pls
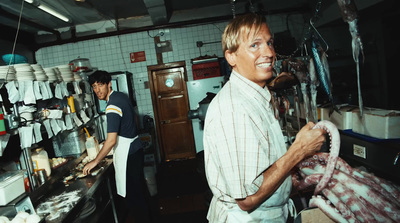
(255, 57)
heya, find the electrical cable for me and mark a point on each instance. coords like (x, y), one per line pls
(15, 39)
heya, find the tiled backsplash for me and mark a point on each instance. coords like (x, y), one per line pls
(113, 53)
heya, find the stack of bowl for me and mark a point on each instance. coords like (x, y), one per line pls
(7, 73)
(51, 74)
(24, 72)
(66, 73)
(58, 74)
(39, 72)
(77, 77)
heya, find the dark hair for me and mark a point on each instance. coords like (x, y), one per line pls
(99, 76)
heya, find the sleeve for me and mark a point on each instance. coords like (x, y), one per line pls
(114, 115)
(243, 152)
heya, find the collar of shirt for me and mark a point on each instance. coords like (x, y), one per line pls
(112, 91)
(251, 88)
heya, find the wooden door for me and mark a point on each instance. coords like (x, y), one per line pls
(171, 106)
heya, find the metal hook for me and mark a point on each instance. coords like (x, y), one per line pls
(323, 40)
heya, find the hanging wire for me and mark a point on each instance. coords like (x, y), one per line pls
(233, 8)
(307, 34)
(15, 40)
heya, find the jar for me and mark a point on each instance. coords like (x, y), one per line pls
(92, 147)
(40, 160)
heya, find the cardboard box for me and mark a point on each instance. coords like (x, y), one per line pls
(314, 215)
(342, 121)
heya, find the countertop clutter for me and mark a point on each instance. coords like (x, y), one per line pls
(61, 200)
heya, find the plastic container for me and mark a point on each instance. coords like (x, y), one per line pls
(16, 59)
(40, 160)
(92, 147)
(11, 186)
(377, 123)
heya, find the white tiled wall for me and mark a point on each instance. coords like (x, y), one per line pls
(112, 53)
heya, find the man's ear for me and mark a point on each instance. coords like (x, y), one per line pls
(230, 57)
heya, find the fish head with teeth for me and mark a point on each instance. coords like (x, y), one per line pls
(254, 55)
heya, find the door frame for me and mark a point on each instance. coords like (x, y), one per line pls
(150, 69)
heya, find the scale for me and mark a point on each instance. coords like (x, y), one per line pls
(21, 203)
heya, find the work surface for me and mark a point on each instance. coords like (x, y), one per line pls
(60, 201)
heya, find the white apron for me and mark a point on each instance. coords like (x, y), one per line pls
(262, 214)
(120, 158)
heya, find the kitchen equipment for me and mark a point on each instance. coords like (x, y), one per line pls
(80, 64)
(69, 143)
(42, 177)
(197, 90)
(201, 111)
(21, 203)
(11, 186)
(40, 160)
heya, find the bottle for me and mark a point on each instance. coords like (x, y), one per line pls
(40, 160)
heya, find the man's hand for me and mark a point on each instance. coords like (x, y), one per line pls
(89, 166)
(308, 141)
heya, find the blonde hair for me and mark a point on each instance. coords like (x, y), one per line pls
(239, 26)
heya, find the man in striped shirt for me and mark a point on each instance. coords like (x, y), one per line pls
(246, 159)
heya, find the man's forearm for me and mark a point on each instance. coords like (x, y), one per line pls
(273, 178)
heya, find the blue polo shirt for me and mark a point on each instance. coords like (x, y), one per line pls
(121, 118)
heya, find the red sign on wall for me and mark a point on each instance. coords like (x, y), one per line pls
(137, 57)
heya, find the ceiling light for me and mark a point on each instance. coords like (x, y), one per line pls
(53, 12)
(50, 11)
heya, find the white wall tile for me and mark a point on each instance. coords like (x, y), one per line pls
(112, 53)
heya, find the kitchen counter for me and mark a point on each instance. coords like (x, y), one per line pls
(56, 201)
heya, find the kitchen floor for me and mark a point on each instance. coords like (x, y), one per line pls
(182, 193)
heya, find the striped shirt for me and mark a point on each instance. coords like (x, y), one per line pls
(242, 139)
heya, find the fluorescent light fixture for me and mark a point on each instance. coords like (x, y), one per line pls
(53, 12)
(50, 11)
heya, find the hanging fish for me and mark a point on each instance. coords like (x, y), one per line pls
(349, 15)
(322, 70)
(314, 83)
(300, 70)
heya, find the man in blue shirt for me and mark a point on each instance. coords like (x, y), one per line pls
(122, 136)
